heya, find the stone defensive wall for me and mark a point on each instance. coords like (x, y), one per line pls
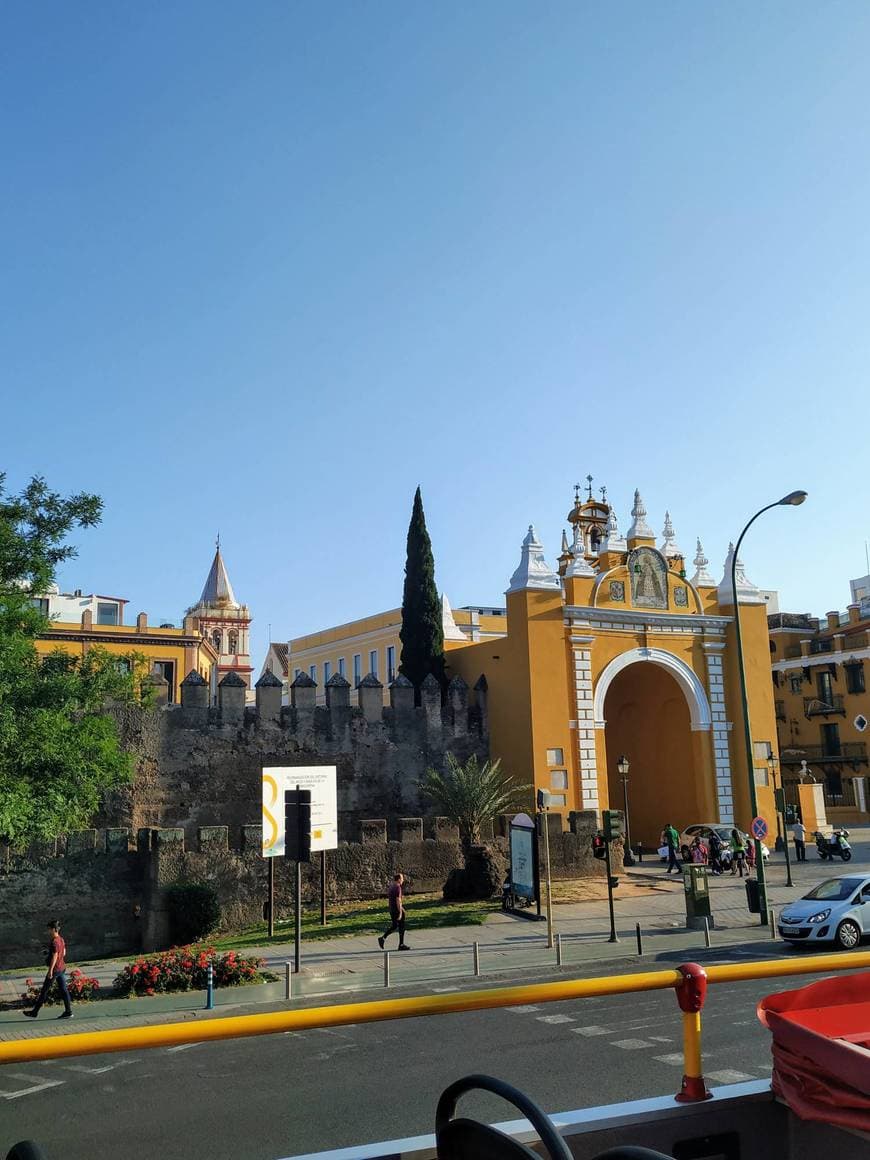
(201, 765)
(108, 887)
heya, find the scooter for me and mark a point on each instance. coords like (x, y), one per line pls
(834, 847)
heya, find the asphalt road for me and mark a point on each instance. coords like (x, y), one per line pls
(281, 1095)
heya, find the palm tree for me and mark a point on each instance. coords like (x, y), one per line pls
(471, 794)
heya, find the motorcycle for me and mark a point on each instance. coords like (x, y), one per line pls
(834, 847)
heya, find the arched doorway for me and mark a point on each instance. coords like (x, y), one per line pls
(649, 718)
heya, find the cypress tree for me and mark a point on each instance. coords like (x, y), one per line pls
(422, 633)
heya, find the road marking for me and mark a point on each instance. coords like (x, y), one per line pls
(37, 1085)
(728, 1075)
(183, 1046)
(591, 1031)
(523, 1010)
(661, 1039)
(630, 1044)
(676, 1058)
(555, 1019)
(96, 1070)
(444, 990)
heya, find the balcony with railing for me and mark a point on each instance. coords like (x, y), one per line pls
(816, 707)
(855, 640)
(821, 646)
(780, 711)
(847, 753)
(792, 651)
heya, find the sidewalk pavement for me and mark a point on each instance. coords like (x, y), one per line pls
(443, 959)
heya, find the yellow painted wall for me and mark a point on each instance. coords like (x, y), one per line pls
(156, 644)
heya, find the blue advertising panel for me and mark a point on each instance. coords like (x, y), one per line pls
(522, 862)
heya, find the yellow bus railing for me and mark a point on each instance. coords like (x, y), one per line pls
(689, 981)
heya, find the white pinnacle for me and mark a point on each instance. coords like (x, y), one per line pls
(669, 541)
(533, 570)
(579, 565)
(747, 592)
(612, 541)
(702, 578)
(564, 541)
(640, 529)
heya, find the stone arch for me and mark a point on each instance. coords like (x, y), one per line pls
(686, 678)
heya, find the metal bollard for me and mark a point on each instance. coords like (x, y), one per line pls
(476, 957)
(288, 980)
(707, 941)
(209, 989)
(639, 938)
(386, 968)
(558, 950)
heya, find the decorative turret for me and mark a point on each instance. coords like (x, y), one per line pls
(640, 529)
(579, 565)
(613, 541)
(533, 570)
(702, 578)
(669, 548)
(565, 555)
(589, 518)
(747, 593)
(223, 621)
(450, 628)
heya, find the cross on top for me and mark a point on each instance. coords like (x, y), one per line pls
(603, 491)
(589, 479)
(576, 493)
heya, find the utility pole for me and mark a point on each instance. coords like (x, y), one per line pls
(542, 814)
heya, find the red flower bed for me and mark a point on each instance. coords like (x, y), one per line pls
(186, 969)
(81, 988)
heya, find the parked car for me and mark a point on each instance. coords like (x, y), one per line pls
(705, 829)
(837, 910)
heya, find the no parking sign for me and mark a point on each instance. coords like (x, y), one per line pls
(759, 829)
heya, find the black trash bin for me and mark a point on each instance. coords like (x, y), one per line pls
(752, 896)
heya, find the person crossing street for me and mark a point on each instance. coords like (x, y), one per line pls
(799, 833)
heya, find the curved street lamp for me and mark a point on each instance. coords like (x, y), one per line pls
(793, 499)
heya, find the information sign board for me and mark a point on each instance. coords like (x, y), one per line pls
(522, 832)
(321, 781)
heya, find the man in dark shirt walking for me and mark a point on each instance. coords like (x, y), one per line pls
(55, 959)
(396, 904)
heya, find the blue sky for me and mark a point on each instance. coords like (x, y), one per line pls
(267, 267)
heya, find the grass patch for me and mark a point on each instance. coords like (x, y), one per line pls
(425, 912)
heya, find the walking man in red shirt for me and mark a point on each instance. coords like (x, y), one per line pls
(55, 959)
(397, 913)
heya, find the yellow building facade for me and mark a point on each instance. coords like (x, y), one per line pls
(612, 651)
(170, 652)
(822, 698)
(618, 652)
(371, 645)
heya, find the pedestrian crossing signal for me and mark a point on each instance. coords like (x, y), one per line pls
(614, 824)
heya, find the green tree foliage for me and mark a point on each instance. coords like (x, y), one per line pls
(422, 632)
(471, 794)
(58, 751)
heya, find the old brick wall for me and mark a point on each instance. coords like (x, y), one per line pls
(202, 766)
(92, 888)
(93, 881)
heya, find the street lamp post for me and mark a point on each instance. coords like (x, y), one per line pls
(793, 499)
(623, 765)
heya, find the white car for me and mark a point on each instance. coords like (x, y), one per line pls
(837, 910)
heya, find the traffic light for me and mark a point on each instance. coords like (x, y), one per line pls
(599, 849)
(614, 824)
(297, 825)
